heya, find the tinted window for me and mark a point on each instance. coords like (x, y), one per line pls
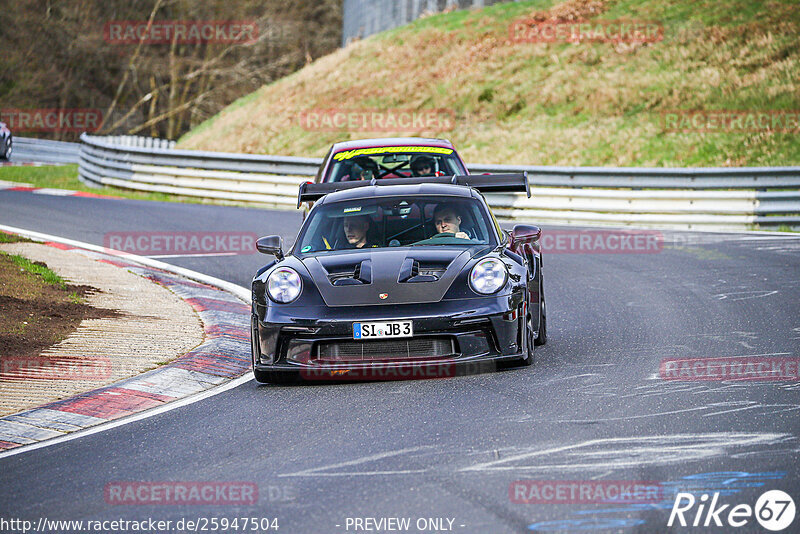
(396, 222)
(393, 162)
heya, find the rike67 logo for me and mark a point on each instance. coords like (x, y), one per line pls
(774, 510)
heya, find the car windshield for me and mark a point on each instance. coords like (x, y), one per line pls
(396, 222)
(393, 162)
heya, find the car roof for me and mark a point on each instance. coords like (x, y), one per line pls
(391, 141)
(372, 191)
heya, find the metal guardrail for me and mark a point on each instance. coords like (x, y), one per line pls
(136, 140)
(30, 150)
(688, 198)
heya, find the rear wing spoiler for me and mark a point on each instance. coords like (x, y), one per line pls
(485, 183)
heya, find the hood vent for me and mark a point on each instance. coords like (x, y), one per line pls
(354, 275)
(414, 271)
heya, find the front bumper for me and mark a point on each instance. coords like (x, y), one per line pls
(478, 333)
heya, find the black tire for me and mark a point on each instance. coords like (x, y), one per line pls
(7, 149)
(529, 339)
(541, 335)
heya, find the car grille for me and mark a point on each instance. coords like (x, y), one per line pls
(393, 349)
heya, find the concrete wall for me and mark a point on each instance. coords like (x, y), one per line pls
(362, 18)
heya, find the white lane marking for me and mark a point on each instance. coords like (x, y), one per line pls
(657, 390)
(315, 471)
(787, 408)
(236, 382)
(637, 451)
(239, 291)
(600, 455)
(604, 419)
(768, 236)
(199, 255)
(753, 294)
(5, 184)
(358, 473)
(562, 378)
(53, 192)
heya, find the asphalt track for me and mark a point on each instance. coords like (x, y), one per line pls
(591, 408)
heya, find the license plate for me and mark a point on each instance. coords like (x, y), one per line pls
(382, 330)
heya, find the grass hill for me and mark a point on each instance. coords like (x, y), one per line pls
(589, 103)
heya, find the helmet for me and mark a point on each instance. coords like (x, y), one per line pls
(360, 166)
(420, 162)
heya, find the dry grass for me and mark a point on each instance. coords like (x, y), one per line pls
(538, 103)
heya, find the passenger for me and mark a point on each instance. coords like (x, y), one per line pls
(422, 166)
(364, 169)
(447, 220)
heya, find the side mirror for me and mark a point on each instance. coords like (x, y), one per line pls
(271, 244)
(524, 233)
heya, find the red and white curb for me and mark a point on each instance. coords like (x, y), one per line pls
(29, 164)
(20, 186)
(221, 362)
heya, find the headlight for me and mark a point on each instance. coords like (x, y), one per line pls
(488, 276)
(284, 285)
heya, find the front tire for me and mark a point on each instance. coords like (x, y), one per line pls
(541, 335)
(7, 149)
(529, 338)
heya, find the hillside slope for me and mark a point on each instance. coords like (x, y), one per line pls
(589, 103)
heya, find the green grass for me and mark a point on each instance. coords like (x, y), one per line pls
(550, 104)
(13, 238)
(37, 269)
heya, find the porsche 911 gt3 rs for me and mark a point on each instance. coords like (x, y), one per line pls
(399, 277)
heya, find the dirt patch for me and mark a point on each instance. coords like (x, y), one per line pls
(130, 325)
(36, 314)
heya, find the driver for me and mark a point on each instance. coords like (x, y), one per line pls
(355, 230)
(447, 220)
(363, 168)
(422, 166)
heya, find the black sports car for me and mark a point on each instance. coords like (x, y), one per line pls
(399, 278)
(6, 142)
